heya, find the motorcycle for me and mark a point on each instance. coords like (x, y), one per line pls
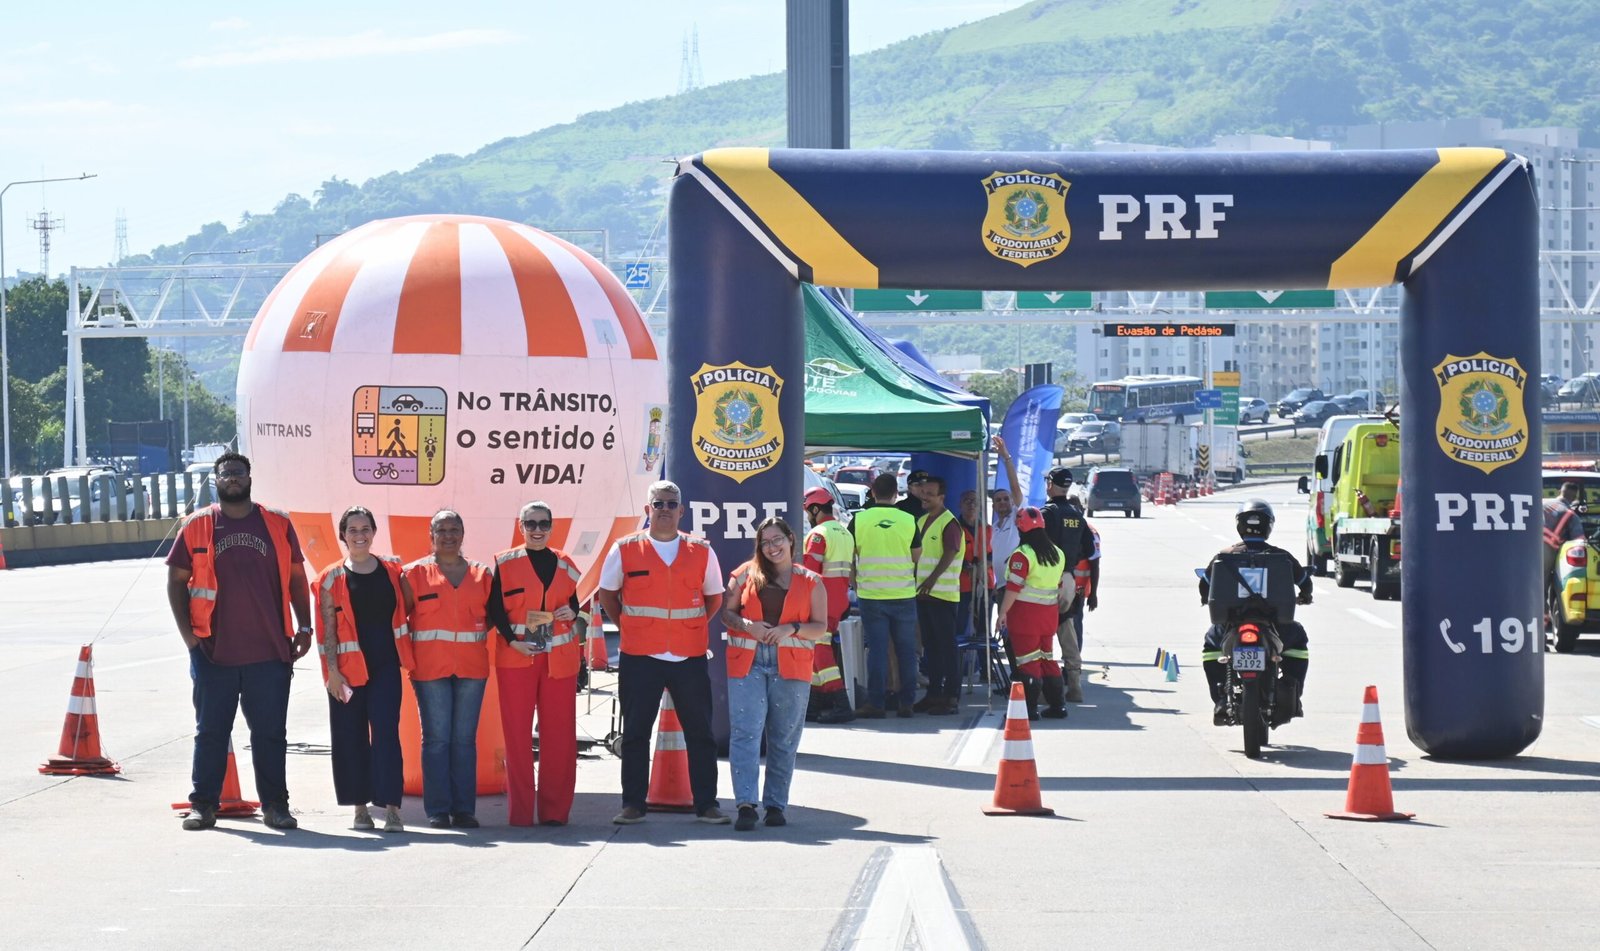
(1248, 596)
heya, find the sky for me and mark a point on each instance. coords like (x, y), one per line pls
(188, 113)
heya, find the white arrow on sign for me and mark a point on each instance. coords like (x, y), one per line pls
(916, 298)
(1053, 296)
(1269, 296)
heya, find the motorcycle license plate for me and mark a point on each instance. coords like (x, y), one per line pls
(1249, 658)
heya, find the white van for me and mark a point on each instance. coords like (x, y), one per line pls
(1319, 511)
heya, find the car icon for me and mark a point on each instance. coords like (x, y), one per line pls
(405, 401)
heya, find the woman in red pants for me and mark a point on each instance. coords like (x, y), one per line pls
(533, 602)
(1033, 576)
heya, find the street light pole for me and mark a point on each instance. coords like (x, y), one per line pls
(5, 350)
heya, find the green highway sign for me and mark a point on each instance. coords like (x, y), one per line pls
(1269, 300)
(1054, 300)
(893, 299)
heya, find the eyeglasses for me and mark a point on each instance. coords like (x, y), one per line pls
(668, 504)
(538, 524)
(232, 474)
(779, 542)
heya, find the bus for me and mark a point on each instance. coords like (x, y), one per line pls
(1139, 398)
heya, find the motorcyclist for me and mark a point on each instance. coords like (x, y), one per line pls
(1254, 522)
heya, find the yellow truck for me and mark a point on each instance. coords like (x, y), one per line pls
(1365, 525)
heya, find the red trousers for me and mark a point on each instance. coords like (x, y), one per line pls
(1031, 628)
(524, 690)
(823, 662)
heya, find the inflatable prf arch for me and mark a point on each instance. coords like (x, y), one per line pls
(1456, 227)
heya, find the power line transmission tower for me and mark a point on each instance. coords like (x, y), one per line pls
(44, 224)
(122, 237)
(689, 75)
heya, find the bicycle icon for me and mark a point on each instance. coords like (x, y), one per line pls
(386, 470)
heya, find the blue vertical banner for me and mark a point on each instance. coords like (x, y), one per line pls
(1030, 434)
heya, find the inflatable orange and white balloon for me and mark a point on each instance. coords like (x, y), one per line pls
(448, 361)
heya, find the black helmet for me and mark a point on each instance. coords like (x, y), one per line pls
(1254, 519)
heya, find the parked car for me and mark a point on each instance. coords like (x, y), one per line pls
(855, 475)
(1580, 389)
(1375, 399)
(1098, 436)
(855, 497)
(841, 510)
(1316, 412)
(1110, 488)
(1550, 389)
(105, 483)
(1297, 398)
(1254, 410)
(1350, 403)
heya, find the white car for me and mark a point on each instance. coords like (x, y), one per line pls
(1066, 424)
(1254, 410)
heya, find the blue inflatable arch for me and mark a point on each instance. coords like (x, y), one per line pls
(1456, 227)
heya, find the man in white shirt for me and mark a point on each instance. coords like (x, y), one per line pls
(661, 586)
(1005, 537)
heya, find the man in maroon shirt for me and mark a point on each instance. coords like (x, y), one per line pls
(241, 656)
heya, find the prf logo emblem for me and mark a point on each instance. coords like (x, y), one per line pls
(397, 435)
(1026, 219)
(1481, 419)
(736, 429)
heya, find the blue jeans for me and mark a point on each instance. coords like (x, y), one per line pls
(262, 691)
(449, 708)
(884, 622)
(763, 699)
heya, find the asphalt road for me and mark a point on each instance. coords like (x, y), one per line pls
(1165, 835)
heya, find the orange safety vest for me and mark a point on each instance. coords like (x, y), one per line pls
(522, 591)
(794, 653)
(663, 606)
(972, 556)
(333, 584)
(199, 533)
(449, 625)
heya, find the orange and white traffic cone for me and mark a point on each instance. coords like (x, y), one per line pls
(669, 772)
(232, 803)
(80, 736)
(598, 658)
(1016, 785)
(1369, 797)
(2, 554)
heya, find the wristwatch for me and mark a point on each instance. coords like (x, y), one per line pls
(303, 629)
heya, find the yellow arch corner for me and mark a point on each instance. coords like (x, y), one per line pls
(791, 218)
(1372, 260)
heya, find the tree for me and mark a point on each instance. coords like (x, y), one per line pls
(1000, 388)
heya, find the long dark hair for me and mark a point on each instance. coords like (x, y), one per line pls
(1044, 550)
(762, 570)
(352, 512)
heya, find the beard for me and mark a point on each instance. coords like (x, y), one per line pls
(233, 492)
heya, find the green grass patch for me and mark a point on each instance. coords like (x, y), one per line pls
(1281, 449)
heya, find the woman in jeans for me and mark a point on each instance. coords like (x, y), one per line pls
(775, 612)
(449, 636)
(363, 639)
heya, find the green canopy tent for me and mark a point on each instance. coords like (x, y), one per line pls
(859, 400)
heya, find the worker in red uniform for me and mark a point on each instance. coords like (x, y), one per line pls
(533, 602)
(829, 551)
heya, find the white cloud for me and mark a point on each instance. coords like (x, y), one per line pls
(60, 107)
(229, 25)
(369, 43)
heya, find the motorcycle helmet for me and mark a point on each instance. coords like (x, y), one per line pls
(1029, 519)
(1254, 519)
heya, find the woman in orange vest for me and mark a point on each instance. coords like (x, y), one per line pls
(449, 638)
(775, 612)
(533, 602)
(363, 639)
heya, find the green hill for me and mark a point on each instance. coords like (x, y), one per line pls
(1049, 74)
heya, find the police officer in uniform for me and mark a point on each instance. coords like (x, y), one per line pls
(1561, 525)
(1254, 522)
(1069, 529)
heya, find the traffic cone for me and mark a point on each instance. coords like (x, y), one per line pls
(232, 803)
(669, 773)
(80, 736)
(598, 658)
(1016, 785)
(1172, 668)
(2, 555)
(1369, 797)
(1160, 657)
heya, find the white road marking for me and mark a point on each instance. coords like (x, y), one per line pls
(912, 896)
(1593, 721)
(1371, 618)
(977, 740)
(142, 663)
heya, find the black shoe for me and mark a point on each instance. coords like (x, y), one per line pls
(277, 817)
(869, 711)
(905, 710)
(464, 820)
(839, 713)
(1219, 715)
(203, 817)
(775, 817)
(438, 822)
(747, 819)
(1054, 713)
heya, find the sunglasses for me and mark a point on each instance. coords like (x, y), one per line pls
(538, 524)
(668, 504)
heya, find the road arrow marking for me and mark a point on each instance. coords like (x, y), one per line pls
(972, 749)
(1371, 618)
(916, 298)
(912, 901)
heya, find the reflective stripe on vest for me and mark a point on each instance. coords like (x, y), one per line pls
(1043, 581)
(884, 569)
(453, 637)
(665, 614)
(948, 585)
(333, 586)
(521, 591)
(450, 623)
(199, 534)
(795, 654)
(838, 547)
(663, 606)
(1553, 536)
